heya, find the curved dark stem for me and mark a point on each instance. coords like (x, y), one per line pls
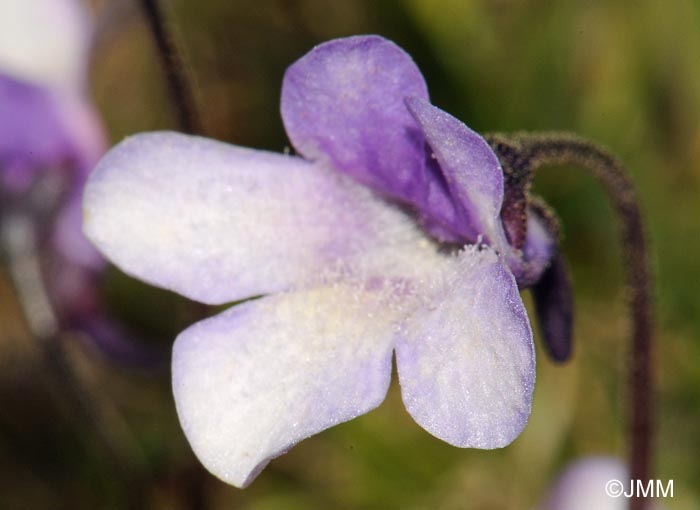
(548, 149)
(181, 91)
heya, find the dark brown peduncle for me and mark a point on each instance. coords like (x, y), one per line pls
(553, 149)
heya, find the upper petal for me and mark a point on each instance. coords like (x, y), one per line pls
(260, 377)
(45, 42)
(219, 223)
(465, 356)
(470, 167)
(342, 103)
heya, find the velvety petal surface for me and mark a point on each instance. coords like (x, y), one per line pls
(45, 42)
(342, 104)
(218, 223)
(470, 167)
(258, 378)
(465, 356)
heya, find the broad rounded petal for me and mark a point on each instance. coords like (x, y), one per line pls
(219, 223)
(255, 380)
(342, 104)
(465, 358)
(470, 167)
(45, 42)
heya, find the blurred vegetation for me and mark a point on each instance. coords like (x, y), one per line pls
(624, 73)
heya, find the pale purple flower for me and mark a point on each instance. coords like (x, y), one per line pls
(50, 138)
(352, 248)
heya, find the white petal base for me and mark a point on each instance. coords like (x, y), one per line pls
(260, 377)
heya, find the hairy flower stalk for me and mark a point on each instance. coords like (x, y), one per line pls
(535, 150)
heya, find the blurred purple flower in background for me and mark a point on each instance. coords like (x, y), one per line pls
(385, 236)
(50, 138)
(582, 485)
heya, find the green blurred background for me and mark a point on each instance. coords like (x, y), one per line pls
(626, 74)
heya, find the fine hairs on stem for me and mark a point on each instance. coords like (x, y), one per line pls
(180, 88)
(536, 150)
